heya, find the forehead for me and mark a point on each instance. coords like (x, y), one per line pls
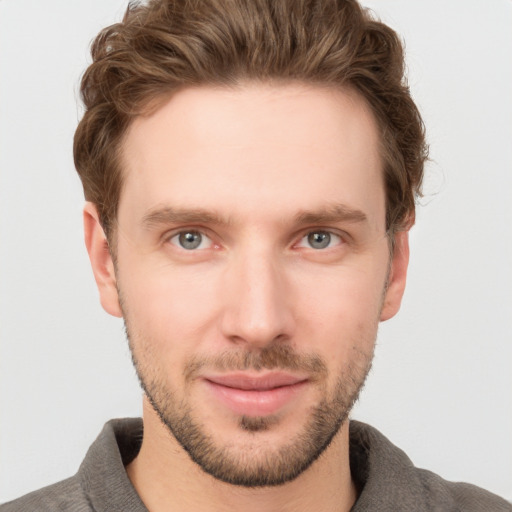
(253, 150)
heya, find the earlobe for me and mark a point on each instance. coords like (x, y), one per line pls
(101, 260)
(397, 276)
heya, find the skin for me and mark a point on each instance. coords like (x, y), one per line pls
(267, 165)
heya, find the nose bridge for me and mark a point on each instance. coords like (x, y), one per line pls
(258, 305)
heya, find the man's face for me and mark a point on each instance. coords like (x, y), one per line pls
(252, 270)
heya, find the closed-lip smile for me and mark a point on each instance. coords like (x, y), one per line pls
(255, 394)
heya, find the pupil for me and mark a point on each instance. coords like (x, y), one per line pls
(319, 240)
(190, 240)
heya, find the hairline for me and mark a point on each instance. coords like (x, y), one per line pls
(157, 101)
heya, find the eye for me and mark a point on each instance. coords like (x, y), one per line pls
(320, 240)
(191, 240)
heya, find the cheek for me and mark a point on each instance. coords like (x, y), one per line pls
(341, 311)
(169, 307)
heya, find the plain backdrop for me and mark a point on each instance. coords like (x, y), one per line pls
(441, 387)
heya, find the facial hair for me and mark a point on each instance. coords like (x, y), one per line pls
(256, 465)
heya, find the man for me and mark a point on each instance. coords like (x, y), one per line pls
(250, 171)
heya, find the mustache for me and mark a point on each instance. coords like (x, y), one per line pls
(276, 356)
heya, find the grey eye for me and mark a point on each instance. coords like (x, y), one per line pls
(190, 239)
(319, 239)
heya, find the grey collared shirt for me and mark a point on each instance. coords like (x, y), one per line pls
(386, 477)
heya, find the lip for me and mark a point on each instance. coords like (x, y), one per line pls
(255, 395)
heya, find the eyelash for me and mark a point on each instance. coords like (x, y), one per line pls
(330, 235)
(342, 239)
(185, 232)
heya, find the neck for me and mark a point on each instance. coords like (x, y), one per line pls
(167, 479)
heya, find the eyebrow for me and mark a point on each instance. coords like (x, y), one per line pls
(167, 215)
(331, 214)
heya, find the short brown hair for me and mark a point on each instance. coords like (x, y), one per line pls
(163, 45)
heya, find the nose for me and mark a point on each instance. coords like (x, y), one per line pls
(257, 301)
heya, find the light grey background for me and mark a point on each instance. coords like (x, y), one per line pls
(441, 387)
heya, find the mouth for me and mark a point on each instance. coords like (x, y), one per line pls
(255, 395)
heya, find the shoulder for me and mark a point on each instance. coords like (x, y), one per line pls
(66, 495)
(460, 496)
(389, 481)
(101, 482)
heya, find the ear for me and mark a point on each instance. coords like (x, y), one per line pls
(397, 276)
(101, 260)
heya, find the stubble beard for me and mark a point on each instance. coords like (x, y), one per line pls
(257, 464)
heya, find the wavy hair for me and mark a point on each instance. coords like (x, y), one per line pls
(164, 45)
